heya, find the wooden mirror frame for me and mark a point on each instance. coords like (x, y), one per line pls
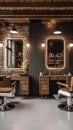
(46, 56)
(25, 51)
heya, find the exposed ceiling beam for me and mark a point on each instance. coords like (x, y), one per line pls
(12, 5)
(24, 11)
(43, 13)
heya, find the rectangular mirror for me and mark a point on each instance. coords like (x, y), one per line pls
(14, 53)
(55, 53)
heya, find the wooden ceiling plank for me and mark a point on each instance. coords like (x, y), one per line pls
(42, 9)
(35, 4)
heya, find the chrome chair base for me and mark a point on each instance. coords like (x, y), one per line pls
(65, 107)
(7, 107)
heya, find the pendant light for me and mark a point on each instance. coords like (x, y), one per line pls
(13, 30)
(57, 30)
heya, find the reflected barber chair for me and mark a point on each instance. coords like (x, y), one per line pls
(7, 89)
(66, 90)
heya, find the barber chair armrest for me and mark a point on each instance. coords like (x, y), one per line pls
(13, 84)
(63, 86)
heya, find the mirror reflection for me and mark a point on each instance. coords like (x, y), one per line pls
(55, 54)
(14, 53)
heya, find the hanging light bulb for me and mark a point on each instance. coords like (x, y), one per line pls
(13, 30)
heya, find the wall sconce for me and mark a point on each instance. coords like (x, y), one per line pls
(43, 45)
(71, 44)
(27, 45)
(13, 30)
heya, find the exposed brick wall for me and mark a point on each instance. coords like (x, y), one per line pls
(24, 35)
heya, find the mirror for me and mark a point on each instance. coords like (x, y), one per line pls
(55, 53)
(14, 53)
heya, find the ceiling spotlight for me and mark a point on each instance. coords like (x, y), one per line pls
(13, 30)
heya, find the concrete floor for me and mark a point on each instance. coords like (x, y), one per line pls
(36, 114)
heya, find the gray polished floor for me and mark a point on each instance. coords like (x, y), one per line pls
(36, 114)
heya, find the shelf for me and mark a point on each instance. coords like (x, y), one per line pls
(55, 60)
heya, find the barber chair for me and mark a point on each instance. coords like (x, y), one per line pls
(66, 90)
(7, 89)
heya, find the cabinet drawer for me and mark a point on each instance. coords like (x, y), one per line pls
(44, 91)
(24, 92)
(43, 78)
(24, 86)
(43, 85)
(42, 82)
(24, 81)
(24, 78)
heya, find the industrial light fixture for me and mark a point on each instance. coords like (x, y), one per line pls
(13, 30)
(57, 31)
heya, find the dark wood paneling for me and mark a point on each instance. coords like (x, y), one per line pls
(71, 60)
(35, 35)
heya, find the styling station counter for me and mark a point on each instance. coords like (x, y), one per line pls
(22, 87)
(23, 84)
(48, 83)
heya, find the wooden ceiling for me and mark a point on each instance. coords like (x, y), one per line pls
(21, 11)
